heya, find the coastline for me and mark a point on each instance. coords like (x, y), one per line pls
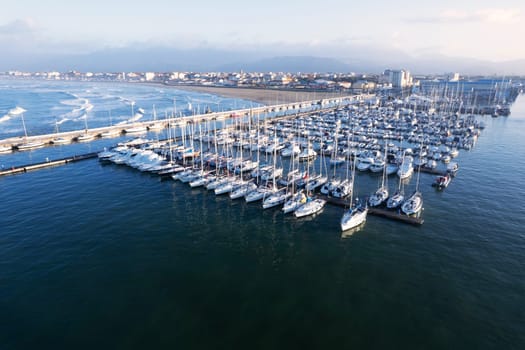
(264, 96)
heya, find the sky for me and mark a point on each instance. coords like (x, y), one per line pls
(484, 30)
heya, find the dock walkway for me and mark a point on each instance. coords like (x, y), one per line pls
(36, 166)
(389, 214)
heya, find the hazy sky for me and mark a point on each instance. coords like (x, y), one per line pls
(489, 30)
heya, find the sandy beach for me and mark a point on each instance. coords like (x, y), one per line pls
(264, 96)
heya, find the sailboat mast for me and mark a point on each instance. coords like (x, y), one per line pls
(24, 125)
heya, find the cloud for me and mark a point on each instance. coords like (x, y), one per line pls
(490, 15)
(19, 27)
(499, 15)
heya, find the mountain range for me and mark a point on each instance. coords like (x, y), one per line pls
(140, 58)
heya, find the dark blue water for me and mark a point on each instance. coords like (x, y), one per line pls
(106, 256)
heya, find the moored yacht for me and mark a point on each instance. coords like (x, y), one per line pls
(414, 204)
(353, 217)
(406, 169)
(311, 207)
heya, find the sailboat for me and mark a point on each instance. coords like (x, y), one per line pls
(155, 125)
(85, 137)
(356, 214)
(335, 158)
(414, 204)
(317, 180)
(297, 199)
(398, 197)
(137, 127)
(278, 197)
(59, 140)
(381, 194)
(309, 205)
(245, 187)
(110, 132)
(27, 145)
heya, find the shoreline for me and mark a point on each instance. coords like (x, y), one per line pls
(259, 95)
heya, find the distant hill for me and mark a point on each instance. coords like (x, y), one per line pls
(142, 58)
(293, 64)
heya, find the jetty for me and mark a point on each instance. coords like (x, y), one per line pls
(46, 164)
(382, 212)
(273, 112)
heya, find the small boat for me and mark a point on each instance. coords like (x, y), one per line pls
(5, 149)
(406, 169)
(452, 168)
(311, 207)
(307, 154)
(110, 133)
(85, 137)
(354, 217)
(276, 199)
(59, 140)
(442, 181)
(395, 200)
(243, 190)
(414, 204)
(26, 146)
(137, 129)
(378, 197)
(260, 193)
(294, 202)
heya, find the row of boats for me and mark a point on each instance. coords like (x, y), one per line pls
(375, 139)
(257, 182)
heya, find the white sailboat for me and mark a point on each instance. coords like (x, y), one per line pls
(381, 194)
(27, 145)
(278, 197)
(110, 132)
(356, 214)
(296, 199)
(59, 140)
(398, 197)
(414, 204)
(155, 125)
(86, 136)
(311, 207)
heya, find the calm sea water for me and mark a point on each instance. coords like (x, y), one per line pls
(98, 255)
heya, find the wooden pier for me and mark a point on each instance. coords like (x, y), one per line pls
(389, 214)
(36, 166)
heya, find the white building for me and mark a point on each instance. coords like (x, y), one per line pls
(400, 78)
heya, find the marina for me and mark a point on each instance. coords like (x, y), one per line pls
(352, 131)
(85, 231)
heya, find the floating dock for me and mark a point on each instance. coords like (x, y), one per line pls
(46, 164)
(389, 214)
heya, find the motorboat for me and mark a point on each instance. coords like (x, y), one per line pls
(442, 181)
